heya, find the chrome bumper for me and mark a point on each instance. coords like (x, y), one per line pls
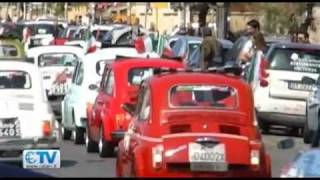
(11, 149)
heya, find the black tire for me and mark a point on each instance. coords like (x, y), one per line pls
(79, 136)
(307, 134)
(66, 134)
(91, 146)
(106, 149)
(263, 125)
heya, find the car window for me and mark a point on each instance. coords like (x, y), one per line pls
(137, 75)
(7, 50)
(293, 59)
(110, 83)
(125, 38)
(42, 29)
(100, 35)
(57, 59)
(80, 75)
(100, 66)
(192, 48)
(76, 71)
(199, 96)
(105, 74)
(11, 79)
(144, 112)
(172, 43)
(194, 59)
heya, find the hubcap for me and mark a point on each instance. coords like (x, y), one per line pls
(100, 145)
(73, 134)
(87, 139)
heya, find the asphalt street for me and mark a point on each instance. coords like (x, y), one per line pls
(76, 162)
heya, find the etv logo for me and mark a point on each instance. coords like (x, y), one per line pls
(41, 158)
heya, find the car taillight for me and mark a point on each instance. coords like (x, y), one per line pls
(255, 155)
(263, 75)
(121, 119)
(46, 128)
(157, 156)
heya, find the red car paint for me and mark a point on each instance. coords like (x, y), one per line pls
(106, 114)
(158, 145)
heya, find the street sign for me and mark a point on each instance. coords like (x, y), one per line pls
(160, 5)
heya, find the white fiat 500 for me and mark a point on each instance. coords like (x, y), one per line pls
(56, 64)
(87, 75)
(26, 118)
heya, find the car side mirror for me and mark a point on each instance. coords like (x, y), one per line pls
(30, 59)
(130, 108)
(93, 87)
(286, 144)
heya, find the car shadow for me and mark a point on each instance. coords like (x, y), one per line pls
(282, 131)
(68, 163)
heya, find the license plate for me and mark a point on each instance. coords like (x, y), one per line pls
(59, 89)
(300, 86)
(207, 158)
(9, 128)
(36, 42)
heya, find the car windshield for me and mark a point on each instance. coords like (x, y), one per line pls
(203, 96)
(57, 59)
(42, 29)
(294, 59)
(7, 50)
(137, 75)
(100, 35)
(11, 79)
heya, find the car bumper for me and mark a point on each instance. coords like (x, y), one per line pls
(11, 149)
(117, 135)
(282, 119)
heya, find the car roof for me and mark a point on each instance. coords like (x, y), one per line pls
(195, 77)
(295, 45)
(55, 48)
(101, 27)
(189, 38)
(17, 65)
(139, 62)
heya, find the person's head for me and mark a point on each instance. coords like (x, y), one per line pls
(253, 26)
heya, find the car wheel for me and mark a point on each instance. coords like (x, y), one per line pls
(66, 134)
(307, 133)
(263, 125)
(106, 149)
(91, 146)
(79, 136)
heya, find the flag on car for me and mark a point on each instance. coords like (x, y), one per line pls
(163, 48)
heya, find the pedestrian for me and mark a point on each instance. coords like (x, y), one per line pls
(190, 30)
(208, 48)
(255, 40)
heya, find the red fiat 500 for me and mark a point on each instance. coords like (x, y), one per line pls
(193, 124)
(120, 83)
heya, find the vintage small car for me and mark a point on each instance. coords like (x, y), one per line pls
(193, 124)
(54, 61)
(119, 84)
(26, 118)
(83, 90)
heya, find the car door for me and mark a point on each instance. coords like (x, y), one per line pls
(136, 128)
(67, 98)
(96, 120)
(75, 93)
(108, 96)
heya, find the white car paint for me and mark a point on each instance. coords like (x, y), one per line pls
(79, 95)
(50, 73)
(31, 108)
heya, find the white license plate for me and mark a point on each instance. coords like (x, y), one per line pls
(299, 86)
(9, 128)
(207, 158)
(37, 42)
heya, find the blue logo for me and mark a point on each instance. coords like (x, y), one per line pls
(41, 158)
